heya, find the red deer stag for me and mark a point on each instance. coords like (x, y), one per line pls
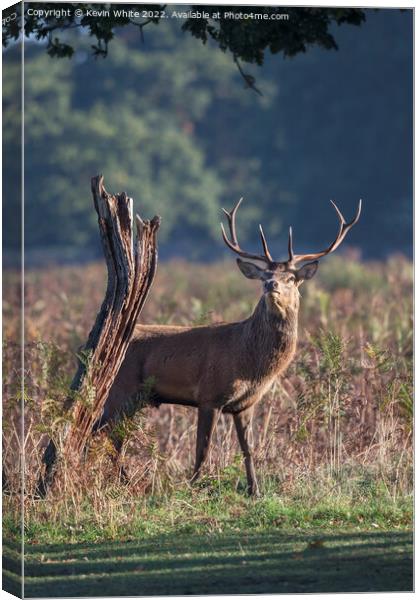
(223, 367)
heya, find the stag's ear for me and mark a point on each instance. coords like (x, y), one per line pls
(250, 270)
(307, 271)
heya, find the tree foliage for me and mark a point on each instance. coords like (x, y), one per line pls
(167, 122)
(134, 118)
(249, 39)
(246, 39)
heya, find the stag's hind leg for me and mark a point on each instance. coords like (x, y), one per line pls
(207, 419)
(243, 423)
(107, 427)
(117, 443)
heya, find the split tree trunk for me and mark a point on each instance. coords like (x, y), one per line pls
(131, 268)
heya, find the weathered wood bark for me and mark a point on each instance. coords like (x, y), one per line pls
(131, 268)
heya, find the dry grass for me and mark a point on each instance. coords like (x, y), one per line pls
(337, 425)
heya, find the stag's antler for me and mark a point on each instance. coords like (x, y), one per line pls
(342, 232)
(293, 259)
(233, 243)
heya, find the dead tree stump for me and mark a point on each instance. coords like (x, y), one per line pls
(131, 268)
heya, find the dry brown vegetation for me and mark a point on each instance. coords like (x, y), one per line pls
(337, 424)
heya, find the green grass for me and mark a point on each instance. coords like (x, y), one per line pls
(212, 507)
(246, 562)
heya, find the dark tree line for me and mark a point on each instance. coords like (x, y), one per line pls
(168, 120)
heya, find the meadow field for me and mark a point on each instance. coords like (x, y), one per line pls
(333, 441)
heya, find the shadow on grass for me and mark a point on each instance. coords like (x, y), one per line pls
(273, 562)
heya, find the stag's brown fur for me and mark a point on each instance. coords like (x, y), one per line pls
(223, 367)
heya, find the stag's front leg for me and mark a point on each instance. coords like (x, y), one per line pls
(207, 419)
(243, 423)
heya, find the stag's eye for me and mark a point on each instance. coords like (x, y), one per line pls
(290, 279)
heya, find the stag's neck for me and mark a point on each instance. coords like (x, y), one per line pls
(270, 337)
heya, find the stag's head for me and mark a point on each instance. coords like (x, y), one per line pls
(281, 280)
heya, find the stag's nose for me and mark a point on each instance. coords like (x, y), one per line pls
(271, 285)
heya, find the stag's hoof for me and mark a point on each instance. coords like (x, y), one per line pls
(253, 491)
(122, 477)
(194, 478)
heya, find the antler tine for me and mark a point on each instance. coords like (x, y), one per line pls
(339, 213)
(231, 220)
(227, 240)
(290, 246)
(344, 228)
(264, 245)
(233, 243)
